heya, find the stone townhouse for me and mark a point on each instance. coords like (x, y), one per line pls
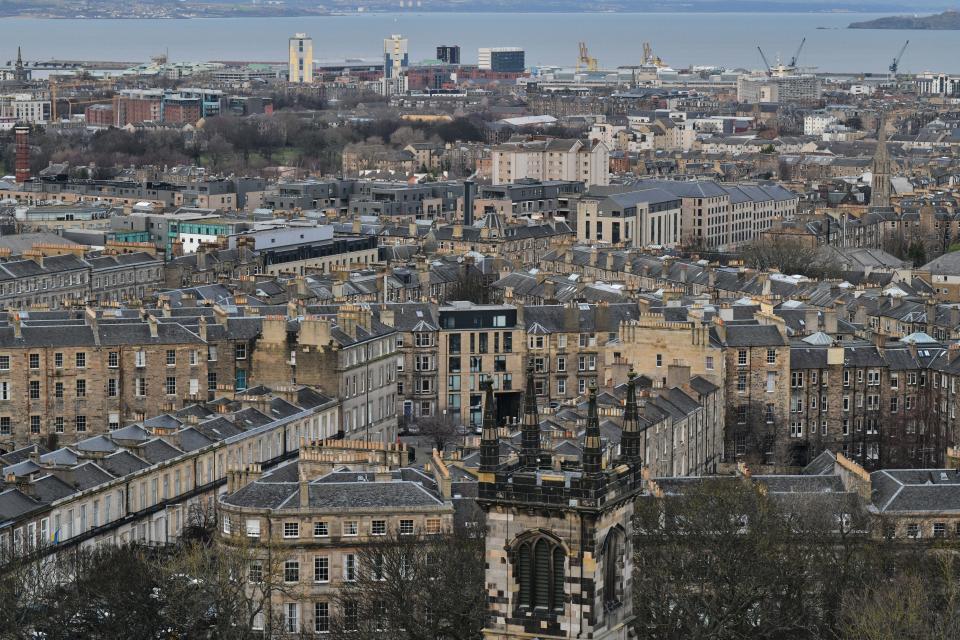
(208, 265)
(660, 338)
(682, 423)
(81, 377)
(571, 346)
(640, 271)
(124, 277)
(905, 504)
(523, 242)
(536, 287)
(145, 481)
(64, 280)
(307, 522)
(838, 398)
(80, 373)
(898, 315)
(418, 346)
(757, 372)
(343, 351)
(885, 405)
(448, 351)
(574, 346)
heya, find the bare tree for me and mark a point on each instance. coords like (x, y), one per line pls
(221, 591)
(440, 428)
(469, 285)
(922, 603)
(415, 588)
(106, 592)
(791, 256)
(725, 559)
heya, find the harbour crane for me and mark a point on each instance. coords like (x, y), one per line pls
(765, 63)
(796, 56)
(585, 60)
(895, 65)
(649, 58)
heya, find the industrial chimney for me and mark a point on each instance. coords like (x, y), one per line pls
(22, 134)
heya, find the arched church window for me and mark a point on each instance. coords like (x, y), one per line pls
(540, 573)
(613, 561)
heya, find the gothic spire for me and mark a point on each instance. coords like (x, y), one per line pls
(630, 442)
(530, 430)
(489, 438)
(880, 182)
(591, 439)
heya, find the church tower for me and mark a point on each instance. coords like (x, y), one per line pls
(880, 182)
(559, 552)
(19, 71)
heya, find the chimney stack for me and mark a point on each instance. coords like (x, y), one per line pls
(468, 186)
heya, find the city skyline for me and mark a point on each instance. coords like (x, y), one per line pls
(542, 324)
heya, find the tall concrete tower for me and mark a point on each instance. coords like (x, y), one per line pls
(301, 59)
(395, 56)
(395, 63)
(22, 136)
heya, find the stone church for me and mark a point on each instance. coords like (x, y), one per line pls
(558, 548)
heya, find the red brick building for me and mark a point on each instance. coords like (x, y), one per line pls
(99, 115)
(136, 106)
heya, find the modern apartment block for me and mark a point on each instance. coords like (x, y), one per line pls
(186, 106)
(25, 107)
(779, 89)
(713, 215)
(300, 59)
(478, 344)
(643, 218)
(937, 84)
(555, 159)
(448, 54)
(507, 59)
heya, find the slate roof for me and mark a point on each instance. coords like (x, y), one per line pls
(122, 463)
(157, 450)
(755, 335)
(14, 503)
(915, 491)
(345, 492)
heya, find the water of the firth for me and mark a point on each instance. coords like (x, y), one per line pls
(681, 39)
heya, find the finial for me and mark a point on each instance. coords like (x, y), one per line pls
(592, 462)
(530, 430)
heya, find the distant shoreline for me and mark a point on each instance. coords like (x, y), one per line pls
(771, 10)
(946, 21)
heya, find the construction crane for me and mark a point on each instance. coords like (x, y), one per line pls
(585, 61)
(649, 58)
(765, 63)
(57, 83)
(796, 56)
(896, 61)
